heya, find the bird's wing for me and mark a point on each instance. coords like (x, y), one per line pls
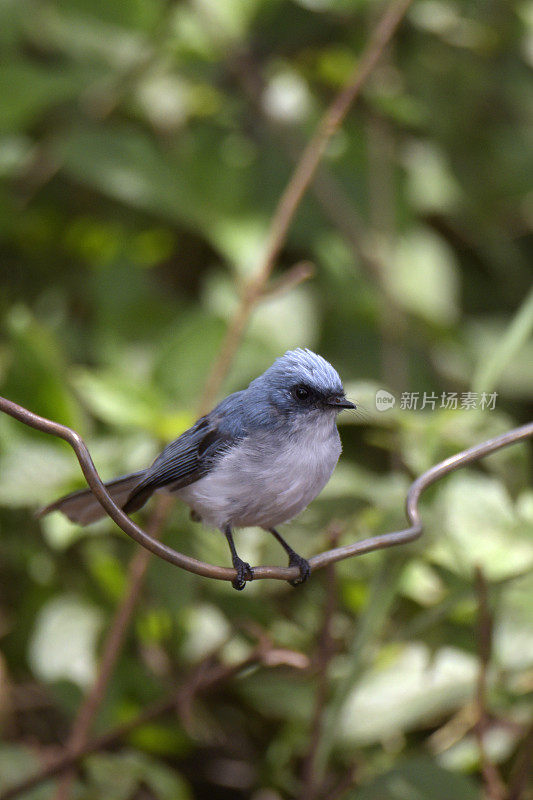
(189, 457)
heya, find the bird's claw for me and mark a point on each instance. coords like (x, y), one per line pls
(244, 573)
(303, 564)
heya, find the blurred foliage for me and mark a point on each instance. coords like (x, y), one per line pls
(143, 147)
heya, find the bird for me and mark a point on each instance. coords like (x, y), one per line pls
(257, 459)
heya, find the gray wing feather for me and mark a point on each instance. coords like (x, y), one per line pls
(182, 462)
(186, 459)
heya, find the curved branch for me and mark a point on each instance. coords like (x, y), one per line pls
(99, 490)
(413, 496)
(278, 573)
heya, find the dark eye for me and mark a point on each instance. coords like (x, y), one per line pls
(301, 393)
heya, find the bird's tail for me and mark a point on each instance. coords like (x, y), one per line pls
(83, 507)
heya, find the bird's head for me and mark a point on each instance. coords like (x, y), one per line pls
(301, 382)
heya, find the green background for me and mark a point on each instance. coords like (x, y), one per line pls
(143, 148)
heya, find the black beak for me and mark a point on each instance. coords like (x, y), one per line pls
(339, 401)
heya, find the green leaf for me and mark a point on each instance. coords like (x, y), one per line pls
(431, 185)
(272, 694)
(490, 370)
(513, 628)
(418, 779)
(116, 776)
(28, 90)
(18, 763)
(482, 528)
(409, 691)
(207, 629)
(128, 166)
(35, 376)
(423, 277)
(30, 471)
(181, 376)
(63, 642)
(121, 401)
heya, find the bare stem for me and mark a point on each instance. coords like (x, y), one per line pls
(494, 786)
(113, 644)
(207, 675)
(298, 184)
(520, 777)
(325, 651)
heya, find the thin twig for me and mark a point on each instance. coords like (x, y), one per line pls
(494, 786)
(362, 239)
(520, 777)
(113, 644)
(319, 561)
(299, 183)
(207, 675)
(297, 274)
(345, 783)
(325, 651)
(325, 187)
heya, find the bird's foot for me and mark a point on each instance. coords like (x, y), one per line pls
(303, 564)
(244, 573)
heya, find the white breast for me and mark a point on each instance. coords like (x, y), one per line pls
(261, 482)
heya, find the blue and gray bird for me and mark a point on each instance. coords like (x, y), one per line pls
(257, 459)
